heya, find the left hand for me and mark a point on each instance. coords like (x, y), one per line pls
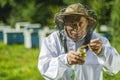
(75, 58)
(95, 45)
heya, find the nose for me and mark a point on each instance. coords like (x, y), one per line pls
(76, 26)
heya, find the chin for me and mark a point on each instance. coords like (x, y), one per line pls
(76, 39)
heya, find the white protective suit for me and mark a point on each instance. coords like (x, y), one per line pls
(53, 63)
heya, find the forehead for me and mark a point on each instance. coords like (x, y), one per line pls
(74, 18)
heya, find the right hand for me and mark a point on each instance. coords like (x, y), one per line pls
(95, 45)
(75, 58)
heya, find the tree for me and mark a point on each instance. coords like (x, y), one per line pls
(115, 22)
(34, 11)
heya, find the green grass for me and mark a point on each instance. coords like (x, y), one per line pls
(19, 63)
(116, 76)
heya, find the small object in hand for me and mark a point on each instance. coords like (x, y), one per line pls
(82, 51)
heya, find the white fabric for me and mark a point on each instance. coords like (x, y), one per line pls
(53, 64)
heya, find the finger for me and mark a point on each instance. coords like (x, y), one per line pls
(74, 61)
(94, 40)
(73, 53)
(74, 56)
(95, 47)
(81, 62)
(95, 44)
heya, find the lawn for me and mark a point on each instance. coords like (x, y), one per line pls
(19, 63)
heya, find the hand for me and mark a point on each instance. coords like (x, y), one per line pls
(75, 58)
(95, 45)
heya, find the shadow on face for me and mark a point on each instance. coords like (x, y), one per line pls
(75, 26)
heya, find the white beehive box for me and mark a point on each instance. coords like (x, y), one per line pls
(2, 28)
(31, 39)
(12, 36)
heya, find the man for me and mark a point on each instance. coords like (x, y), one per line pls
(59, 58)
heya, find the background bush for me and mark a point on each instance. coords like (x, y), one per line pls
(18, 63)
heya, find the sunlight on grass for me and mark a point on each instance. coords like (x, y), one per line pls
(18, 63)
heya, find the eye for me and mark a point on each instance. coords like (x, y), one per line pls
(74, 24)
(80, 23)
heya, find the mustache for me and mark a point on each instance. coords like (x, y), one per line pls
(75, 32)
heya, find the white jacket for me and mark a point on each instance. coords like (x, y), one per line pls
(53, 63)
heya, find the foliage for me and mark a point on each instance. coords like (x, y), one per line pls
(18, 63)
(72, 1)
(102, 10)
(34, 11)
(109, 77)
(115, 22)
(42, 11)
(13, 65)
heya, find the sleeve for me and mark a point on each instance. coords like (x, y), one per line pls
(109, 58)
(50, 63)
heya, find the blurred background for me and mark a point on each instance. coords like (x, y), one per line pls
(24, 23)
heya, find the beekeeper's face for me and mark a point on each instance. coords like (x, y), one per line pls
(75, 26)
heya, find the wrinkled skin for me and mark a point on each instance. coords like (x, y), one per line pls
(75, 27)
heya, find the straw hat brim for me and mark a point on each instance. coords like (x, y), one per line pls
(65, 14)
(68, 14)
